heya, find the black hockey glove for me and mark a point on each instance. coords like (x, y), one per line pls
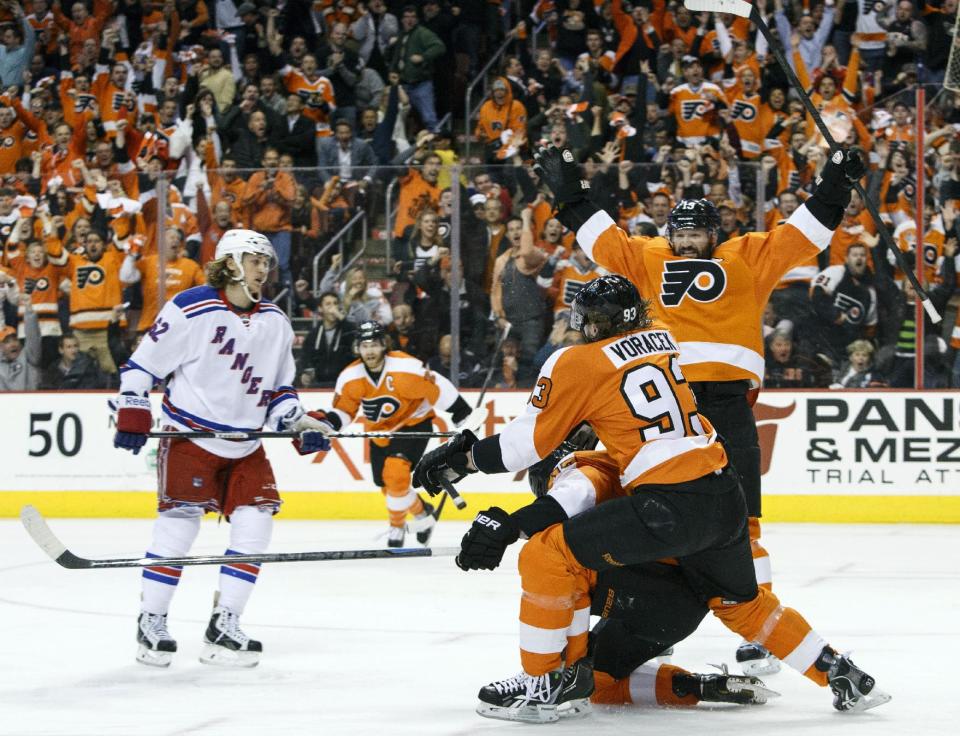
(447, 461)
(837, 179)
(482, 547)
(557, 169)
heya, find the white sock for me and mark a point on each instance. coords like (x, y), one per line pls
(174, 532)
(250, 529)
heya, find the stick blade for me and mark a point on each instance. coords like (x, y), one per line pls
(742, 8)
(38, 529)
(932, 312)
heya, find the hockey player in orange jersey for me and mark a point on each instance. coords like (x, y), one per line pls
(712, 297)
(663, 488)
(396, 393)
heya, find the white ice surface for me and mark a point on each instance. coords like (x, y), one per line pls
(402, 646)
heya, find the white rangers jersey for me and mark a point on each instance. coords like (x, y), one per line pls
(225, 370)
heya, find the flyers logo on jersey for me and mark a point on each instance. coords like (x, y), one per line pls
(743, 110)
(32, 285)
(851, 307)
(92, 275)
(691, 109)
(379, 408)
(701, 280)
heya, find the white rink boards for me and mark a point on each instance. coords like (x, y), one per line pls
(401, 646)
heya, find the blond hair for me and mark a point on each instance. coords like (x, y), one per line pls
(218, 273)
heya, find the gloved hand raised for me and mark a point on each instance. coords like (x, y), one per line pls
(560, 172)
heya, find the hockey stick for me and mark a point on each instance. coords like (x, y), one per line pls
(455, 496)
(38, 529)
(747, 10)
(493, 362)
(258, 435)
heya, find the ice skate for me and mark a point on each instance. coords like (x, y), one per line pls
(225, 645)
(395, 536)
(539, 698)
(723, 687)
(853, 689)
(424, 523)
(756, 660)
(156, 645)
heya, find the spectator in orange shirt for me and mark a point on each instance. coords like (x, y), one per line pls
(418, 189)
(269, 197)
(94, 291)
(497, 115)
(81, 26)
(180, 273)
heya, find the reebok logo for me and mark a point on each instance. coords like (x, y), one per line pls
(703, 280)
(484, 520)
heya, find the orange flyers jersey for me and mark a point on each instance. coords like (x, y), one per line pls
(847, 234)
(713, 306)
(405, 393)
(43, 286)
(94, 289)
(905, 236)
(804, 272)
(314, 95)
(568, 280)
(695, 110)
(639, 404)
(745, 116)
(955, 335)
(181, 274)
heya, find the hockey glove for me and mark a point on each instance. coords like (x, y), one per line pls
(134, 420)
(449, 461)
(482, 547)
(560, 173)
(837, 179)
(314, 426)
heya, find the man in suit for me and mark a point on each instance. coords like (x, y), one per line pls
(345, 156)
(298, 135)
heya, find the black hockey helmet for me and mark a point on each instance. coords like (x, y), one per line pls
(694, 213)
(611, 303)
(369, 330)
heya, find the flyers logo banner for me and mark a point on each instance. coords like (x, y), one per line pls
(379, 408)
(701, 280)
(690, 109)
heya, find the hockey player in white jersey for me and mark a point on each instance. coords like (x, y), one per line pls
(226, 357)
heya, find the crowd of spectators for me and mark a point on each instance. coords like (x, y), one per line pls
(290, 117)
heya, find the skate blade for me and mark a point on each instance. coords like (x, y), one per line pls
(218, 656)
(575, 708)
(523, 713)
(153, 658)
(758, 692)
(766, 666)
(873, 699)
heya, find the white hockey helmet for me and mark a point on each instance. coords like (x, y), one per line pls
(234, 243)
(237, 242)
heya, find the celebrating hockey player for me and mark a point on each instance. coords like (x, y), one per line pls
(396, 393)
(711, 295)
(663, 488)
(226, 356)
